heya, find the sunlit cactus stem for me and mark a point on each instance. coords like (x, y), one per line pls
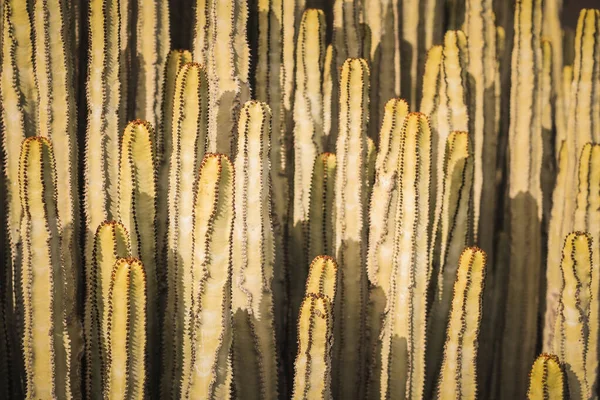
(351, 231)
(323, 277)
(546, 379)
(126, 365)
(321, 218)
(403, 338)
(452, 233)
(210, 374)
(458, 376)
(137, 212)
(186, 147)
(312, 379)
(576, 330)
(46, 343)
(255, 359)
(111, 243)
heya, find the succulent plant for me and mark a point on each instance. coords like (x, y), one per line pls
(546, 379)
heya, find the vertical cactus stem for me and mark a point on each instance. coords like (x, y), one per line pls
(351, 229)
(210, 372)
(321, 218)
(403, 339)
(566, 80)
(452, 232)
(458, 376)
(152, 46)
(525, 148)
(552, 29)
(323, 277)
(371, 158)
(308, 137)
(547, 120)
(480, 28)
(220, 43)
(576, 331)
(312, 377)
(111, 243)
(45, 342)
(126, 373)
(555, 239)
(546, 379)
(188, 134)
(137, 212)
(255, 362)
(327, 97)
(587, 210)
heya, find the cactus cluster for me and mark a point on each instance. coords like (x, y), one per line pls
(341, 199)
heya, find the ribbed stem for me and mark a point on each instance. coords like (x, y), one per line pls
(321, 215)
(546, 379)
(323, 277)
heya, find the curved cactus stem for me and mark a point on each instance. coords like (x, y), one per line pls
(321, 218)
(312, 379)
(404, 327)
(126, 367)
(153, 42)
(452, 232)
(351, 230)
(255, 361)
(458, 376)
(546, 379)
(323, 277)
(210, 375)
(188, 134)
(46, 341)
(576, 331)
(111, 243)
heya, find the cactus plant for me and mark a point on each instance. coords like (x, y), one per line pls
(546, 379)
(321, 219)
(576, 330)
(126, 366)
(323, 277)
(312, 377)
(458, 376)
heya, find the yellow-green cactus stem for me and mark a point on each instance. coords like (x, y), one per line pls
(383, 19)
(452, 233)
(210, 373)
(111, 243)
(321, 219)
(546, 379)
(220, 44)
(576, 330)
(327, 95)
(351, 230)
(525, 148)
(566, 79)
(187, 141)
(405, 326)
(555, 240)
(382, 222)
(255, 359)
(587, 204)
(312, 378)
(371, 159)
(480, 28)
(458, 376)
(137, 212)
(126, 366)
(323, 277)
(308, 137)
(46, 343)
(153, 42)
(547, 179)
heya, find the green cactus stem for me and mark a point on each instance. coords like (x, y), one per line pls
(321, 219)
(546, 379)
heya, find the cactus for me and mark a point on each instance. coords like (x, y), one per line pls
(255, 361)
(321, 219)
(152, 46)
(312, 377)
(351, 229)
(188, 133)
(452, 232)
(548, 104)
(46, 341)
(576, 331)
(126, 368)
(458, 376)
(210, 373)
(524, 202)
(404, 326)
(566, 79)
(220, 44)
(328, 96)
(111, 243)
(546, 379)
(323, 277)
